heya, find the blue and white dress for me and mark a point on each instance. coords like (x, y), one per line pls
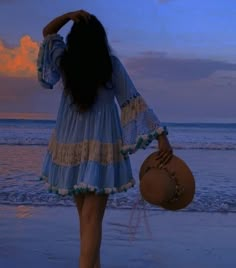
(89, 152)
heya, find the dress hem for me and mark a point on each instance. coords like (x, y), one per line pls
(87, 188)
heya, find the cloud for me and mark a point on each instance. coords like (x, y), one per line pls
(9, 1)
(177, 89)
(163, 1)
(19, 61)
(159, 65)
(25, 95)
(185, 89)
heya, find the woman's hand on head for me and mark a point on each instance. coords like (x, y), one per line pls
(79, 14)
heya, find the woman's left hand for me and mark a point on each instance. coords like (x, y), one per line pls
(165, 150)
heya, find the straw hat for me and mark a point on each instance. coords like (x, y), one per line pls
(171, 187)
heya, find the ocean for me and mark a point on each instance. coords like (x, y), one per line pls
(208, 148)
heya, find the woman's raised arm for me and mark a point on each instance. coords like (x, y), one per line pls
(56, 24)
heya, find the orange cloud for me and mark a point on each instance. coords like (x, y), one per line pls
(19, 61)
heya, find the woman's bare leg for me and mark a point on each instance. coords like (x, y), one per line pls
(91, 211)
(79, 201)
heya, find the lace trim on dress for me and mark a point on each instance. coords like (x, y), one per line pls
(87, 188)
(130, 99)
(140, 125)
(134, 107)
(90, 150)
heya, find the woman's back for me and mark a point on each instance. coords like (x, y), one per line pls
(88, 152)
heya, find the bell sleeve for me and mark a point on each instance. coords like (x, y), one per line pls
(140, 125)
(49, 55)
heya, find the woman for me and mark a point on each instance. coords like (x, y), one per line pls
(88, 153)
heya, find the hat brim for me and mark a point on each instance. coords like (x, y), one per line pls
(183, 175)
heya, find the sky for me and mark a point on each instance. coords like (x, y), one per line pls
(179, 53)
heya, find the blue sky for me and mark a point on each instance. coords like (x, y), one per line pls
(185, 27)
(180, 53)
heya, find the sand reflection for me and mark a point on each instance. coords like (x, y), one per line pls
(23, 212)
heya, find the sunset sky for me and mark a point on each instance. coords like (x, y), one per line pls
(181, 54)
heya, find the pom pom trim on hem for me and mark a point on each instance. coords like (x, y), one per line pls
(87, 188)
(143, 141)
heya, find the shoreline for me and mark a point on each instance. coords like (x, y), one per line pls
(41, 116)
(48, 237)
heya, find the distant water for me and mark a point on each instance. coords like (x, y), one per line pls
(204, 136)
(209, 149)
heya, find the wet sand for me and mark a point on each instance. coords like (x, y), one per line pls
(48, 237)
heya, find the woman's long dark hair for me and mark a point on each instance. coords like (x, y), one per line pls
(86, 64)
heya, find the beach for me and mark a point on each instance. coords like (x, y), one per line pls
(48, 237)
(90, 85)
(39, 229)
